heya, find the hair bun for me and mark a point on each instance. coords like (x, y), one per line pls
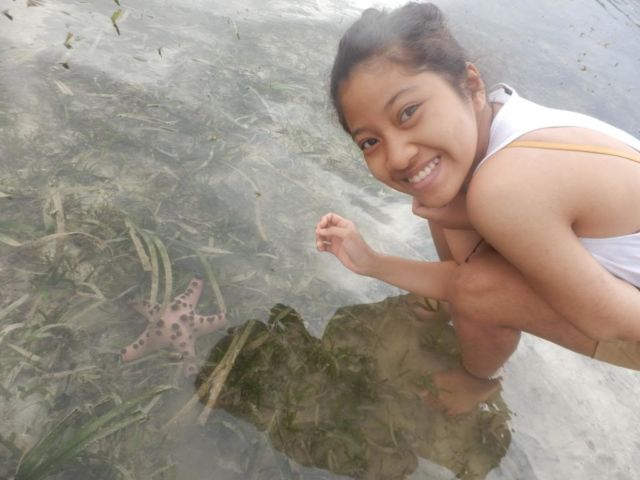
(429, 11)
(370, 13)
(425, 17)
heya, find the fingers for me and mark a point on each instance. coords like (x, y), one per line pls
(322, 243)
(419, 210)
(331, 219)
(331, 227)
(325, 237)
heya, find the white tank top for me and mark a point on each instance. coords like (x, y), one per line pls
(619, 255)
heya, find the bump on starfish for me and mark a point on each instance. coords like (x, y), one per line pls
(177, 328)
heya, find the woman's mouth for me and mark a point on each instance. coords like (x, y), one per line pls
(425, 172)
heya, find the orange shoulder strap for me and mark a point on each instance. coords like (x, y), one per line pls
(575, 148)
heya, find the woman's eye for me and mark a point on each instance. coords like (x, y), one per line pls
(367, 144)
(407, 113)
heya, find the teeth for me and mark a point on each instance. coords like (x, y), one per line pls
(422, 174)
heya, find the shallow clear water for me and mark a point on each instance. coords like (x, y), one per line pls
(203, 128)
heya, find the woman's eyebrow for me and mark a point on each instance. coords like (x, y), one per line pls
(387, 105)
(397, 95)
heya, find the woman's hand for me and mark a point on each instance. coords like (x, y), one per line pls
(452, 216)
(341, 237)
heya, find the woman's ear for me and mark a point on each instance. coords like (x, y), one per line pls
(475, 86)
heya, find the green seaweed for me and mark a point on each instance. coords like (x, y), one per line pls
(58, 446)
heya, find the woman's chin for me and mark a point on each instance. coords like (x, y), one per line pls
(432, 203)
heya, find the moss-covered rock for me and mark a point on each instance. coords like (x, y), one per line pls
(352, 402)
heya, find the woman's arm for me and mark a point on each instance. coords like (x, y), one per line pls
(340, 236)
(525, 207)
(426, 279)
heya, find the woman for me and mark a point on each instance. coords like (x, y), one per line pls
(534, 211)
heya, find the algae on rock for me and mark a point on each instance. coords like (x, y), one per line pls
(351, 402)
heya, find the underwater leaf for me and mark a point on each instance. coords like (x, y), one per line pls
(9, 328)
(267, 255)
(214, 282)
(59, 216)
(114, 19)
(13, 305)
(142, 255)
(168, 275)
(243, 277)
(235, 27)
(56, 236)
(32, 357)
(44, 445)
(77, 447)
(53, 450)
(94, 288)
(213, 251)
(218, 377)
(67, 41)
(155, 275)
(116, 15)
(9, 241)
(215, 381)
(63, 88)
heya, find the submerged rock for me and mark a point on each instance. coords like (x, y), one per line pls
(353, 401)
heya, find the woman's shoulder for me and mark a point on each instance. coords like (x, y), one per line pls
(520, 182)
(572, 187)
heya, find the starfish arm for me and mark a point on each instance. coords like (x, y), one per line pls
(155, 336)
(189, 298)
(186, 346)
(138, 348)
(144, 308)
(204, 324)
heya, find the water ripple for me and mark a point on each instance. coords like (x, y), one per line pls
(630, 9)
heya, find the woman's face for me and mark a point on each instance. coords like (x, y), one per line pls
(417, 134)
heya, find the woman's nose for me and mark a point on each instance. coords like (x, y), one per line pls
(399, 153)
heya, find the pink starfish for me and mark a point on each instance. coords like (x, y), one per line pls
(178, 328)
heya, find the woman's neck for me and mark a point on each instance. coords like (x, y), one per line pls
(485, 119)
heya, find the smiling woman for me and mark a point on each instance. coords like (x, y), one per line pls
(515, 237)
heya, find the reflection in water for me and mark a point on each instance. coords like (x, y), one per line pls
(352, 401)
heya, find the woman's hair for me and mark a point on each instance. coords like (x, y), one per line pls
(414, 36)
